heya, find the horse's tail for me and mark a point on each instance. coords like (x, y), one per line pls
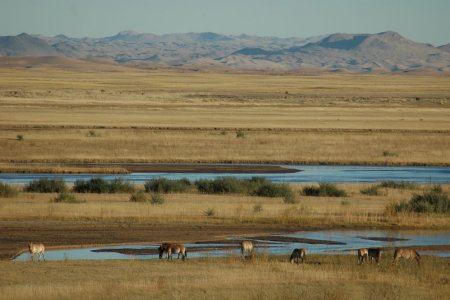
(185, 253)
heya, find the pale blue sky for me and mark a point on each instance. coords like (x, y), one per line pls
(425, 21)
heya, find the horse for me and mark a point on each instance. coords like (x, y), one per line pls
(363, 253)
(38, 249)
(170, 249)
(247, 248)
(374, 253)
(406, 253)
(297, 255)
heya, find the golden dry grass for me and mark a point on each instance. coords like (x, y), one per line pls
(142, 145)
(169, 116)
(322, 277)
(355, 210)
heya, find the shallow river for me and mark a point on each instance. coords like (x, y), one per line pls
(307, 173)
(317, 242)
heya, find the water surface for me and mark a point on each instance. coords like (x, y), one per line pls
(345, 240)
(309, 173)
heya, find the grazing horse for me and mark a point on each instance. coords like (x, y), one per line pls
(297, 255)
(170, 249)
(374, 253)
(247, 248)
(362, 255)
(38, 249)
(406, 253)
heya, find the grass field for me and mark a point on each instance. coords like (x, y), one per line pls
(110, 114)
(169, 116)
(354, 210)
(322, 277)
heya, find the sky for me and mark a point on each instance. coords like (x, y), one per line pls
(426, 21)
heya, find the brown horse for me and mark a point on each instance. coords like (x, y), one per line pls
(38, 249)
(247, 247)
(363, 253)
(170, 249)
(406, 253)
(297, 255)
(374, 254)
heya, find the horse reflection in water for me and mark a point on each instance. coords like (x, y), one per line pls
(170, 249)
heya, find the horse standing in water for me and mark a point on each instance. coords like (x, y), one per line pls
(38, 249)
(247, 248)
(406, 253)
(170, 249)
(297, 255)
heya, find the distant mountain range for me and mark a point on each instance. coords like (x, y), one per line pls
(382, 52)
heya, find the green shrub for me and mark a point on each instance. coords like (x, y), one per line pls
(45, 185)
(371, 190)
(94, 185)
(163, 185)
(100, 186)
(19, 137)
(226, 185)
(139, 196)
(276, 190)
(324, 190)
(157, 199)
(434, 201)
(119, 185)
(66, 197)
(404, 185)
(240, 134)
(7, 191)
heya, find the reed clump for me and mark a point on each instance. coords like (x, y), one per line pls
(139, 196)
(66, 197)
(324, 190)
(45, 185)
(433, 201)
(99, 186)
(7, 191)
(163, 185)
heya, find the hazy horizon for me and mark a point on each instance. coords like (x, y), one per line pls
(422, 22)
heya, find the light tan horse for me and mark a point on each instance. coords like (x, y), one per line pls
(247, 248)
(170, 249)
(374, 254)
(38, 249)
(363, 254)
(406, 253)
(297, 255)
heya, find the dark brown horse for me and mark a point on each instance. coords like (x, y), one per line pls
(374, 254)
(297, 256)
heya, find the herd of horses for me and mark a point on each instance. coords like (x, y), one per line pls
(248, 247)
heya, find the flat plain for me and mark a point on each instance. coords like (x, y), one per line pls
(126, 114)
(119, 114)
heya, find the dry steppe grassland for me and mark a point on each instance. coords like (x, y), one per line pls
(111, 113)
(127, 114)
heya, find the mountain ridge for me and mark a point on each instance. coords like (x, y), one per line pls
(381, 52)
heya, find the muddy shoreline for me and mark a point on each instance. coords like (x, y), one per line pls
(126, 168)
